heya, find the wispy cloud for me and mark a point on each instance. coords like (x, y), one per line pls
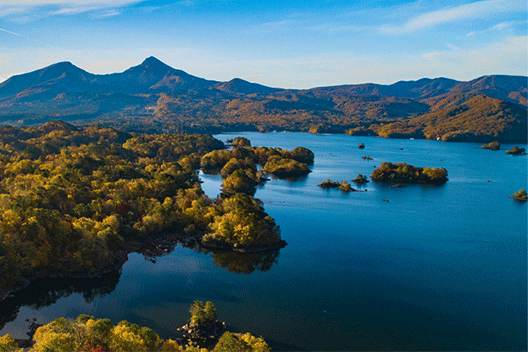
(60, 7)
(506, 56)
(453, 47)
(108, 13)
(479, 9)
(9, 32)
(28, 38)
(499, 27)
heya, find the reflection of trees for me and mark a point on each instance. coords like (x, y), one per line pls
(245, 263)
(45, 292)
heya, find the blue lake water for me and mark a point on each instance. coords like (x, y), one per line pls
(434, 268)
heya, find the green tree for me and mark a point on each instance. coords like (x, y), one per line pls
(202, 314)
(126, 337)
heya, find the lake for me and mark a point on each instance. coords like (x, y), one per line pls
(439, 267)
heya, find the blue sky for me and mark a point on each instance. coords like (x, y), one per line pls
(288, 44)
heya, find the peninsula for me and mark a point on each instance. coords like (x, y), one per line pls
(75, 199)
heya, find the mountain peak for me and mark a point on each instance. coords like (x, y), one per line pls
(154, 63)
(63, 64)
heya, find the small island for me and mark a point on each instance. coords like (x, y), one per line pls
(241, 142)
(343, 185)
(516, 151)
(491, 146)
(520, 195)
(203, 326)
(284, 168)
(405, 173)
(360, 179)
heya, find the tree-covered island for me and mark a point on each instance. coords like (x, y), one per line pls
(516, 151)
(491, 146)
(520, 195)
(405, 173)
(73, 201)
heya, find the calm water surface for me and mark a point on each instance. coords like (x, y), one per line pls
(434, 268)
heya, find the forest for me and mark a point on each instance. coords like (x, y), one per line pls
(73, 200)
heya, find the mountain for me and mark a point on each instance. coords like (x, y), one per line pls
(155, 96)
(153, 76)
(420, 89)
(241, 86)
(481, 118)
(60, 77)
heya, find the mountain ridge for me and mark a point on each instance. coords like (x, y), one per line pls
(164, 98)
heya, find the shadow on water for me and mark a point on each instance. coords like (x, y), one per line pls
(45, 292)
(299, 180)
(234, 262)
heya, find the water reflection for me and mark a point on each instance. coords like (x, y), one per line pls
(45, 292)
(243, 263)
(48, 291)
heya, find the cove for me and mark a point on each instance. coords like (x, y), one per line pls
(438, 267)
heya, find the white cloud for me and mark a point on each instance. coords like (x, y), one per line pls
(504, 57)
(479, 9)
(108, 13)
(454, 47)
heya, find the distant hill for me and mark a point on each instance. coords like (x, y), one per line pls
(241, 86)
(481, 118)
(154, 96)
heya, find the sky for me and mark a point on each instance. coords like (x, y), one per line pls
(278, 43)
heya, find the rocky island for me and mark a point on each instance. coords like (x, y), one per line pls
(343, 185)
(360, 179)
(516, 151)
(520, 195)
(491, 146)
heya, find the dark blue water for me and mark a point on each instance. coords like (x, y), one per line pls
(434, 268)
